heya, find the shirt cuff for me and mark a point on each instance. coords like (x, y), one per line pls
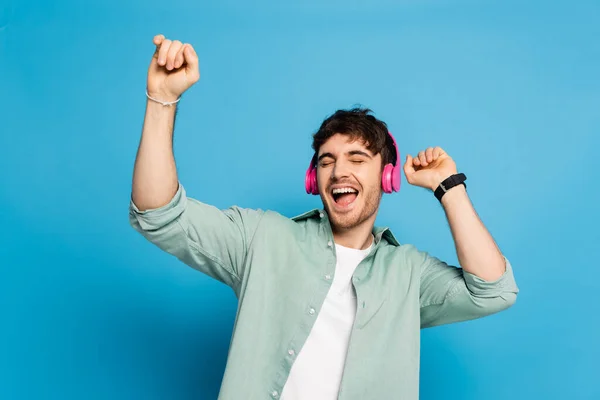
(482, 288)
(155, 218)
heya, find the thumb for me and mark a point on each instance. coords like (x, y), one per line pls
(157, 40)
(409, 168)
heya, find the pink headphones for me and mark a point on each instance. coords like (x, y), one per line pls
(390, 178)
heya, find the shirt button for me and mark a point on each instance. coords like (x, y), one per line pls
(330, 243)
(291, 352)
(311, 311)
(321, 215)
(328, 277)
(275, 394)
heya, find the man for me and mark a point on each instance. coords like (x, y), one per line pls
(329, 305)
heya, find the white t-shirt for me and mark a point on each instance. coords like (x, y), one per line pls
(317, 372)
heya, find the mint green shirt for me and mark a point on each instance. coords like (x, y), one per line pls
(281, 270)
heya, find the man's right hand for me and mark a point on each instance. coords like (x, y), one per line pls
(174, 69)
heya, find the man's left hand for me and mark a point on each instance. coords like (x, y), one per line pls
(429, 168)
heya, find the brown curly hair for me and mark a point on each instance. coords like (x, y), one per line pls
(358, 123)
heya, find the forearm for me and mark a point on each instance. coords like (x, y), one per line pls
(155, 179)
(476, 249)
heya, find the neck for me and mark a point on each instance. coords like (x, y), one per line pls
(358, 237)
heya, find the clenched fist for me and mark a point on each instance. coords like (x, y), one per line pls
(429, 168)
(174, 69)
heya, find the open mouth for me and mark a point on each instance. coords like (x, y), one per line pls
(344, 196)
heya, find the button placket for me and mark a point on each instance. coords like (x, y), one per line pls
(330, 245)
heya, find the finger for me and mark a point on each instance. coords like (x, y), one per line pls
(191, 58)
(172, 53)
(437, 151)
(429, 154)
(423, 159)
(179, 58)
(162, 53)
(416, 161)
(157, 40)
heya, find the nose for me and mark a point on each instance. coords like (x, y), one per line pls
(340, 170)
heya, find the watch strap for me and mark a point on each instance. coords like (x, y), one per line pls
(449, 183)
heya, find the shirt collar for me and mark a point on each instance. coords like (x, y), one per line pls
(379, 232)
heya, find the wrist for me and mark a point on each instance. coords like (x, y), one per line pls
(162, 96)
(454, 194)
(439, 180)
(451, 182)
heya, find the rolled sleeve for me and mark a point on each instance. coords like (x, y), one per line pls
(450, 294)
(206, 238)
(482, 288)
(153, 219)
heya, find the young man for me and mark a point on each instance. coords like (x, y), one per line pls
(329, 305)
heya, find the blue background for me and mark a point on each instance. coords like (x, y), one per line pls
(89, 309)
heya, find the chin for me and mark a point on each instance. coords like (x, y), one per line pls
(349, 206)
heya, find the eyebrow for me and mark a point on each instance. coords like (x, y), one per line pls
(359, 153)
(350, 153)
(324, 155)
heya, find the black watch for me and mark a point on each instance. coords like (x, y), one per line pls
(449, 183)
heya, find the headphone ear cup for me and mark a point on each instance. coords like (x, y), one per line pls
(307, 181)
(387, 179)
(397, 173)
(396, 176)
(393, 175)
(313, 181)
(310, 181)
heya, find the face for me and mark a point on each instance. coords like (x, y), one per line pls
(349, 179)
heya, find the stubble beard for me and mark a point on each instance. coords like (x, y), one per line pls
(347, 221)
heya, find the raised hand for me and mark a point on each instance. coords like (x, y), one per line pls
(173, 69)
(429, 168)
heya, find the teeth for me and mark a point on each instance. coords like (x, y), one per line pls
(343, 190)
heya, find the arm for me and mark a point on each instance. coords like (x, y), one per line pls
(211, 240)
(485, 284)
(477, 251)
(173, 69)
(155, 174)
